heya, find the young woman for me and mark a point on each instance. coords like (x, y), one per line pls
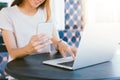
(19, 24)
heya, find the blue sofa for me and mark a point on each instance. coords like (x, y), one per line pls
(3, 58)
(72, 37)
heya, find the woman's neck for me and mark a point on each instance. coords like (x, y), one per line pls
(27, 9)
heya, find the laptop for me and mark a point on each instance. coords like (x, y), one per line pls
(97, 45)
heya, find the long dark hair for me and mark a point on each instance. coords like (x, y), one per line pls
(46, 4)
(16, 2)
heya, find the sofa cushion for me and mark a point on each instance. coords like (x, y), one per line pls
(3, 59)
(72, 37)
(3, 62)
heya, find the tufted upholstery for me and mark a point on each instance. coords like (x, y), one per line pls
(3, 58)
(3, 62)
(72, 14)
(72, 37)
(3, 51)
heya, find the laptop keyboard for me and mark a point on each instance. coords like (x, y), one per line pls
(67, 63)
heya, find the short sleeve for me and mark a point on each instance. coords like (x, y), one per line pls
(5, 21)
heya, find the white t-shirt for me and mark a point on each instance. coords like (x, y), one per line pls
(22, 25)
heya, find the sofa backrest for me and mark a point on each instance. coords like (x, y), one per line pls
(72, 37)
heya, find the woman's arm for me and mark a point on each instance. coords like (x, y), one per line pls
(34, 45)
(11, 45)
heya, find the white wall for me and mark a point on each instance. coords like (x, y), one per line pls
(102, 11)
(58, 13)
(117, 8)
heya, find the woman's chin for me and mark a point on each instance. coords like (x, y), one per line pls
(35, 6)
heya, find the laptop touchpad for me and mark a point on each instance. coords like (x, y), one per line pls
(70, 63)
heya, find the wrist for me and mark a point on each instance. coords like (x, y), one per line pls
(58, 44)
(28, 50)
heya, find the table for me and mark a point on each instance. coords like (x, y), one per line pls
(32, 68)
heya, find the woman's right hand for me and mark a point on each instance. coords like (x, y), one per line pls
(38, 42)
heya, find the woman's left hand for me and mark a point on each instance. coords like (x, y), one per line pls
(64, 48)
